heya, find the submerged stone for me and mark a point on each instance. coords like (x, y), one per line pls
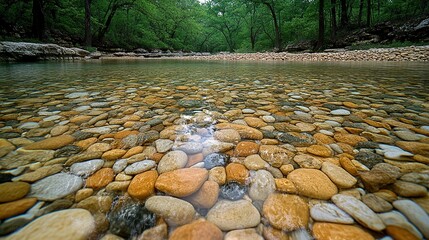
(215, 159)
(233, 191)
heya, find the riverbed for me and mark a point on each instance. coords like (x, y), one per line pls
(180, 149)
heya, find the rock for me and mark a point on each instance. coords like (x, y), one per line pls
(415, 214)
(113, 154)
(83, 193)
(340, 112)
(233, 191)
(286, 127)
(119, 165)
(255, 162)
(5, 147)
(98, 130)
(274, 155)
(376, 203)
(286, 212)
(96, 204)
(244, 131)
(400, 233)
(348, 165)
(338, 175)
(14, 223)
(369, 159)
(328, 212)
(174, 211)
(193, 147)
(350, 139)
(244, 149)
(23, 157)
(56, 186)
(381, 175)
(231, 215)
(206, 196)
(51, 143)
(297, 139)
(197, 230)
(262, 185)
(86, 168)
(320, 150)
(218, 174)
(414, 147)
(100, 178)
(313, 183)
(214, 146)
(140, 167)
(172, 160)
(82, 157)
(143, 185)
(249, 234)
(307, 161)
(215, 159)
(236, 172)
(359, 211)
(407, 189)
(58, 130)
(419, 178)
(67, 151)
(159, 232)
(14, 208)
(11, 191)
(78, 223)
(130, 219)
(40, 173)
(271, 233)
(29, 125)
(324, 231)
(395, 218)
(181, 182)
(163, 145)
(227, 135)
(190, 103)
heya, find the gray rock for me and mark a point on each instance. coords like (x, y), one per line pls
(328, 212)
(56, 186)
(415, 214)
(369, 159)
(174, 211)
(163, 145)
(86, 168)
(120, 165)
(395, 218)
(98, 130)
(172, 160)
(140, 167)
(340, 112)
(262, 185)
(189, 147)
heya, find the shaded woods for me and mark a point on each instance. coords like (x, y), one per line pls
(188, 25)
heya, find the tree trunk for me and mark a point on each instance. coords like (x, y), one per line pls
(368, 13)
(106, 26)
(344, 15)
(88, 40)
(321, 38)
(360, 12)
(38, 20)
(278, 38)
(333, 20)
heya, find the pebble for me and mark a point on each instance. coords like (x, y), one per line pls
(119, 165)
(313, 183)
(139, 167)
(286, 212)
(197, 230)
(236, 172)
(415, 214)
(163, 145)
(274, 155)
(340, 112)
(56, 186)
(11, 191)
(143, 185)
(176, 212)
(206, 196)
(395, 218)
(181, 182)
(376, 203)
(233, 191)
(328, 212)
(100, 179)
(359, 211)
(51, 143)
(262, 185)
(255, 162)
(14, 208)
(227, 135)
(307, 161)
(171, 161)
(78, 223)
(249, 234)
(214, 160)
(86, 168)
(231, 215)
(339, 231)
(408, 189)
(338, 175)
(418, 178)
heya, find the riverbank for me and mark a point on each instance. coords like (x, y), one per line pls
(412, 53)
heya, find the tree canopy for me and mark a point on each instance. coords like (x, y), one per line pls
(190, 25)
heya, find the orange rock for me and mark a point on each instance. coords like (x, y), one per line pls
(332, 231)
(206, 196)
(353, 130)
(100, 178)
(244, 149)
(181, 182)
(124, 133)
(377, 124)
(350, 139)
(236, 172)
(285, 185)
(255, 122)
(313, 183)
(320, 150)
(51, 143)
(143, 185)
(350, 104)
(399, 233)
(347, 164)
(286, 212)
(133, 151)
(157, 157)
(414, 147)
(80, 119)
(113, 154)
(245, 132)
(11, 191)
(194, 159)
(323, 139)
(84, 144)
(14, 208)
(271, 233)
(346, 148)
(197, 230)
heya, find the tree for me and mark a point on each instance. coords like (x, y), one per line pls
(333, 20)
(271, 5)
(88, 34)
(368, 13)
(321, 38)
(38, 20)
(344, 16)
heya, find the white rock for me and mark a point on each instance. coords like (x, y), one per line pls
(268, 119)
(415, 214)
(119, 165)
(29, 125)
(328, 212)
(56, 186)
(262, 185)
(232, 215)
(82, 108)
(163, 145)
(174, 211)
(395, 218)
(98, 130)
(77, 95)
(86, 168)
(172, 160)
(340, 112)
(189, 147)
(140, 167)
(247, 110)
(359, 211)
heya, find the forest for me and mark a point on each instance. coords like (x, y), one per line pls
(202, 26)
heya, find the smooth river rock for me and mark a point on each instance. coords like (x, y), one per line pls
(197, 230)
(11, 191)
(174, 211)
(181, 182)
(78, 223)
(231, 215)
(262, 185)
(172, 160)
(359, 211)
(328, 212)
(139, 167)
(56, 186)
(338, 175)
(86, 168)
(325, 231)
(395, 218)
(313, 183)
(415, 214)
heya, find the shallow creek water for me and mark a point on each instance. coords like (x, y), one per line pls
(170, 149)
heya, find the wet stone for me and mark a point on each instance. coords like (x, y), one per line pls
(302, 140)
(56, 186)
(214, 160)
(369, 159)
(67, 151)
(233, 191)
